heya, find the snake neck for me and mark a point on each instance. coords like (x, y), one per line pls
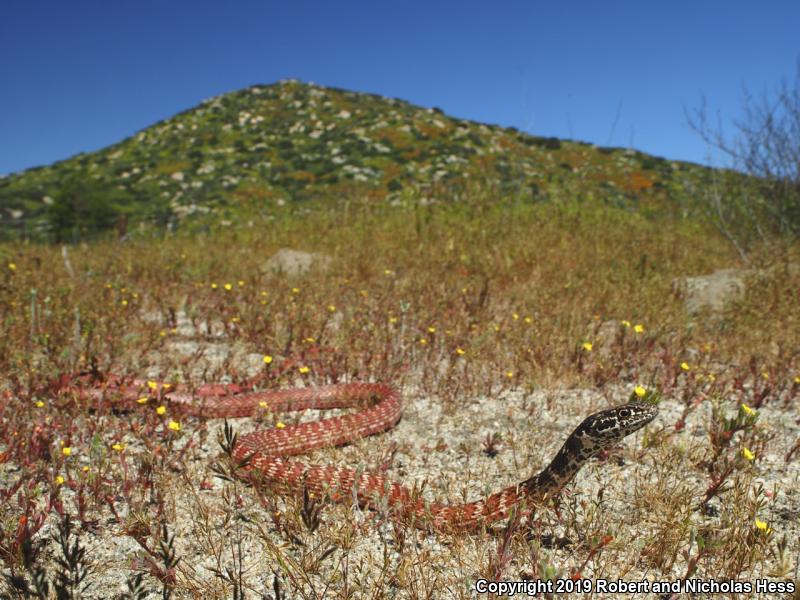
(549, 482)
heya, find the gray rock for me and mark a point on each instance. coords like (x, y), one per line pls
(711, 291)
(295, 262)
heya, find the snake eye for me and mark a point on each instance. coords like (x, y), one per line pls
(625, 413)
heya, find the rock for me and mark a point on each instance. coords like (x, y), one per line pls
(295, 262)
(712, 291)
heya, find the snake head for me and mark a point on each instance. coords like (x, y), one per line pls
(615, 423)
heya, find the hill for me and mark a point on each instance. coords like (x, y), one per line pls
(254, 150)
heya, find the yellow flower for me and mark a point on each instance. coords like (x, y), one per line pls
(515, 316)
(685, 366)
(528, 320)
(153, 385)
(509, 374)
(59, 480)
(39, 404)
(124, 303)
(747, 410)
(142, 400)
(797, 379)
(423, 342)
(240, 282)
(12, 267)
(263, 404)
(431, 329)
(392, 320)
(118, 447)
(295, 290)
(66, 451)
(763, 526)
(638, 328)
(309, 340)
(331, 308)
(625, 323)
(161, 410)
(460, 351)
(214, 286)
(587, 346)
(162, 333)
(304, 370)
(639, 391)
(174, 426)
(267, 359)
(85, 469)
(280, 425)
(228, 287)
(748, 455)
(387, 271)
(765, 375)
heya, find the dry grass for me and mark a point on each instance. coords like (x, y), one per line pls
(481, 315)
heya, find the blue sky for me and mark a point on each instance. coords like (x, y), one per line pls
(79, 75)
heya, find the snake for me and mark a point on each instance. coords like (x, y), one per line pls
(266, 452)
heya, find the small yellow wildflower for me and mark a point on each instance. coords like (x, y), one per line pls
(638, 328)
(304, 370)
(295, 290)
(240, 282)
(639, 391)
(214, 286)
(685, 366)
(515, 316)
(228, 287)
(509, 374)
(263, 404)
(264, 294)
(712, 377)
(118, 447)
(280, 425)
(331, 308)
(364, 293)
(460, 351)
(625, 323)
(153, 385)
(309, 340)
(423, 342)
(747, 410)
(387, 271)
(497, 327)
(748, 455)
(587, 346)
(763, 526)
(166, 386)
(66, 451)
(143, 400)
(797, 379)
(161, 410)
(765, 375)
(528, 320)
(85, 469)
(39, 404)
(59, 480)
(267, 359)
(174, 426)
(162, 333)
(124, 303)
(12, 267)
(392, 320)
(431, 329)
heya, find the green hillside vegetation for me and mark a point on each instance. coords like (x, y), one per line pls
(248, 153)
